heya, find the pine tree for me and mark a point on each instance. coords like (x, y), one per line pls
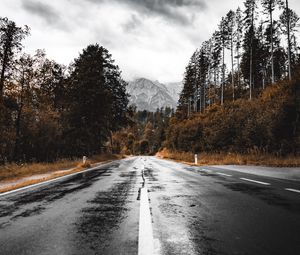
(238, 42)
(269, 7)
(24, 76)
(189, 87)
(230, 24)
(288, 23)
(263, 54)
(224, 44)
(249, 19)
(95, 89)
(11, 37)
(216, 59)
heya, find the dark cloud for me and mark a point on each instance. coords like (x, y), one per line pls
(170, 9)
(42, 10)
(132, 24)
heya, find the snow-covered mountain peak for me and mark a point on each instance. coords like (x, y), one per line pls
(150, 95)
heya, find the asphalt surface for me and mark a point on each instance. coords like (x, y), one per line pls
(194, 210)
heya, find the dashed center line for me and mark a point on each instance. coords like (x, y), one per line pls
(146, 240)
(250, 180)
(228, 175)
(293, 190)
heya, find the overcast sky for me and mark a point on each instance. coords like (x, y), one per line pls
(148, 38)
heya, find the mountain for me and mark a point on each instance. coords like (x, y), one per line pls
(175, 89)
(150, 95)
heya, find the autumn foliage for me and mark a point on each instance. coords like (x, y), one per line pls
(267, 124)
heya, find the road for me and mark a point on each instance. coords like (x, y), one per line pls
(145, 205)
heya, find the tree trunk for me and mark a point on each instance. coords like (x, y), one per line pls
(223, 76)
(215, 84)
(251, 59)
(4, 65)
(111, 141)
(232, 77)
(18, 123)
(250, 79)
(272, 47)
(204, 95)
(238, 65)
(18, 134)
(289, 40)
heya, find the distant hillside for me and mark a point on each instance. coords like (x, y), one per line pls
(150, 95)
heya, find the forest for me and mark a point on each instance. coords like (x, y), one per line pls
(241, 87)
(240, 95)
(49, 111)
(145, 133)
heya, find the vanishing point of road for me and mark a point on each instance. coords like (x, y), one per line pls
(146, 205)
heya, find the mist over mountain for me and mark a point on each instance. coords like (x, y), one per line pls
(150, 95)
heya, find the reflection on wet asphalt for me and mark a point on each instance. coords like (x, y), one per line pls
(104, 214)
(49, 193)
(193, 212)
(200, 212)
(88, 213)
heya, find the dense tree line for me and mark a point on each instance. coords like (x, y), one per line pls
(267, 124)
(254, 105)
(145, 133)
(49, 111)
(251, 49)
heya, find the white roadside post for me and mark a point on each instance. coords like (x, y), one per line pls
(84, 158)
(196, 159)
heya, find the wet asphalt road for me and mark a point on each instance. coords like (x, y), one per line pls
(194, 211)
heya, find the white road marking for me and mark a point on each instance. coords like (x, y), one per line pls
(146, 242)
(249, 180)
(228, 175)
(293, 190)
(46, 182)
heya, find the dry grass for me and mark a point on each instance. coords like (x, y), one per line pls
(98, 158)
(15, 171)
(232, 159)
(12, 172)
(28, 182)
(104, 157)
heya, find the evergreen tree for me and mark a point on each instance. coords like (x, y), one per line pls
(95, 90)
(224, 44)
(230, 24)
(249, 19)
(216, 59)
(238, 42)
(269, 7)
(11, 37)
(289, 21)
(278, 57)
(187, 93)
(203, 73)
